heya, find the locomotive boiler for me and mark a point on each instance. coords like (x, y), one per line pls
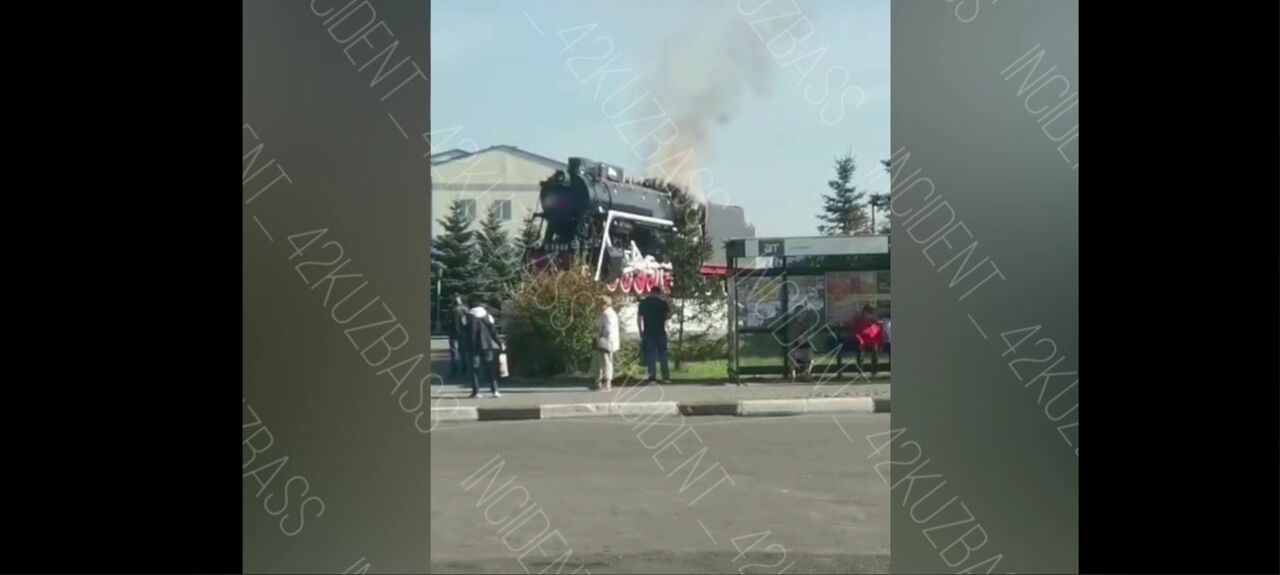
(593, 217)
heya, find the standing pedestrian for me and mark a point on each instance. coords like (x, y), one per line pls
(607, 342)
(483, 345)
(868, 335)
(459, 363)
(652, 315)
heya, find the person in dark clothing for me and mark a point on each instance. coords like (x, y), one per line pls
(459, 363)
(652, 315)
(483, 345)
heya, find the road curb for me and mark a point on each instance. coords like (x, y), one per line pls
(772, 407)
(644, 408)
(560, 411)
(813, 405)
(709, 408)
(841, 405)
(508, 413)
(636, 410)
(458, 413)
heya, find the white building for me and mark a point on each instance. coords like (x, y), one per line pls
(502, 178)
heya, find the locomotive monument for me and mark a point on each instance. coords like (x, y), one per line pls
(594, 218)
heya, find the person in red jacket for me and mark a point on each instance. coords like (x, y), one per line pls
(867, 335)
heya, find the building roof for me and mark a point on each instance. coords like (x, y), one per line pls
(445, 156)
(456, 154)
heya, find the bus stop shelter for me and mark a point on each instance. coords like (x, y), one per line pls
(786, 290)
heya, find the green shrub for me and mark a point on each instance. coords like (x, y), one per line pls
(552, 326)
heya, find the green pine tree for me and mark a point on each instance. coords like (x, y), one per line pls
(884, 199)
(529, 237)
(843, 213)
(879, 203)
(458, 254)
(496, 263)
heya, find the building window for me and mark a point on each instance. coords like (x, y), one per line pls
(468, 208)
(503, 207)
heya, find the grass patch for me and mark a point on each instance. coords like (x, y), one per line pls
(698, 371)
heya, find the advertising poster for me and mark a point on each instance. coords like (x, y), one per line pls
(847, 292)
(760, 302)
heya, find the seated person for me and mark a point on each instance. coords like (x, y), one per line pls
(799, 346)
(867, 334)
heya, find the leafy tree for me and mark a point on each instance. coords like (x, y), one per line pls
(688, 248)
(458, 254)
(552, 324)
(843, 213)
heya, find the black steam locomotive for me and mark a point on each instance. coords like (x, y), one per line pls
(593, 217)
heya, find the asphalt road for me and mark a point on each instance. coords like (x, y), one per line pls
(603, 495)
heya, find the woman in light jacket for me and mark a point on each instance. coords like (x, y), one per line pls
(606, 344)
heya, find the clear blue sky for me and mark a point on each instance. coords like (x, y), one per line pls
(501, 82)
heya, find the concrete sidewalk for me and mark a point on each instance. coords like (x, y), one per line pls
(450, 403)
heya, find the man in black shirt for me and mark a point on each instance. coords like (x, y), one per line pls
(652, 315)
